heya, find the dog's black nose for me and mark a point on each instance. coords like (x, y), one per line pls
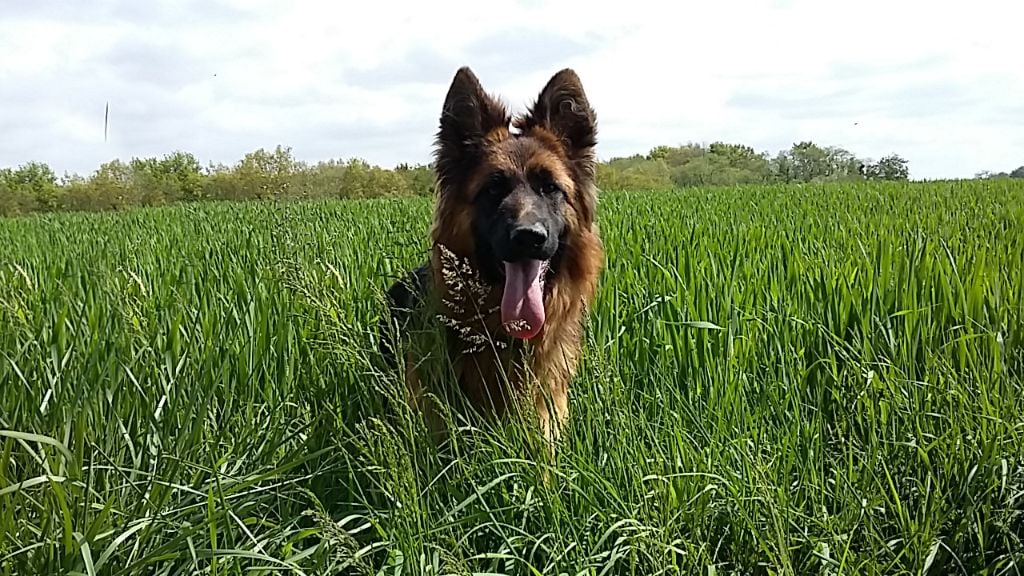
(528, 240)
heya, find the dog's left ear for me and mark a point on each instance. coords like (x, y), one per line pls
(563, 109)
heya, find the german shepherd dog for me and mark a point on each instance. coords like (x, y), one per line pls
(516, 255)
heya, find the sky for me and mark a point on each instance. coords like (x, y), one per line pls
(933, 81)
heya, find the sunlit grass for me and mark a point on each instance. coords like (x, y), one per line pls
(794, 380)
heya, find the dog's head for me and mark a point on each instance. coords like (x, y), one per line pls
(513, 193)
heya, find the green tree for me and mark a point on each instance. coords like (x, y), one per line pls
(10, 204)
(419, 178)
(266, 174)
(260, 174)
(659, 153)
(808, 162)
(744, 165)
(185, 172)
(634, 172)
(361, 180)
(892, 167)
(29, 187)
(176, 176)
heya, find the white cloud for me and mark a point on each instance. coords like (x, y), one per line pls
(933, 81)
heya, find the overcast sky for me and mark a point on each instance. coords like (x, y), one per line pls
(935, 81)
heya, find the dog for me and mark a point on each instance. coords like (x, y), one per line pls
(515, 255)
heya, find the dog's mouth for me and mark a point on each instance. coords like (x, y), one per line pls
(522, 304)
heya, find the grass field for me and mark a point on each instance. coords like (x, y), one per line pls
(778, 380)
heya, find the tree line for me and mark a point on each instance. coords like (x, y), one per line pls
(723, 164)
(1016, 173)
(276, 174)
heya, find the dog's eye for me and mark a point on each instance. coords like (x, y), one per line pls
(549, 188)
(496, 190)
(496, 185)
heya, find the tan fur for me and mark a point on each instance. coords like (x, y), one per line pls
(540, 370)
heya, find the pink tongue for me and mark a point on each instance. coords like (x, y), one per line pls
(522, 306)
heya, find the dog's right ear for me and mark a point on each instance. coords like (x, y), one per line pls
(467, 117)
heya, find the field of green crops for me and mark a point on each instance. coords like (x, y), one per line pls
(778, 380)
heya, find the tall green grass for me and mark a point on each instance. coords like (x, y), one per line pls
(777, 380)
